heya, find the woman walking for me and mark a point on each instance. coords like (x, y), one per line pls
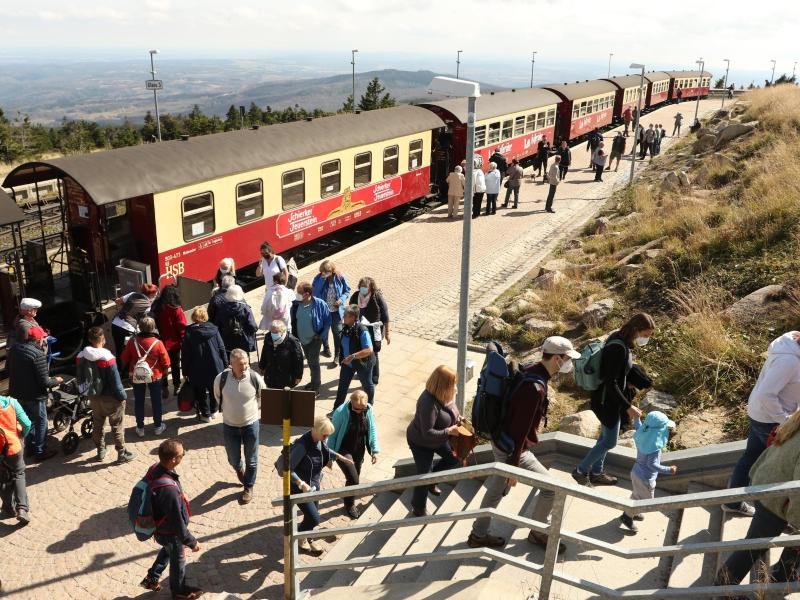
(330, 286)
(374, 310)
(203, 358)
(281, 358)
(171, 322)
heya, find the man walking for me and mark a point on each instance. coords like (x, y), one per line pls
(617, 149)
(492, 178)
(592, 144)
(553, 178)
(527, 408)
(627, 117)
(565, 154)
(171, 513)
(238, 391)
(542, 155)
(677, 127)
(515, 175)
(478, 190)
(311, 322)
(14, 426)
(358, 357)
(98, 378)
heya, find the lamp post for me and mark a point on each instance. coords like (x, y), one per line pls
(609, 63)
(353, 62)
(725, 85)
(458, 62)
(533, 64)
(155, 92)
(772, 79)
(459, 87)
(794, 68)
(702, 64)
(636, 122)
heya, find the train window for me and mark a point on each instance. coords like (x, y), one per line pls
(583, 108)
(507, 128)
(362, 173)
(530, 122)
(551, 117)
(494, 132)
(540, 120)
(415, 151)
(390, 161)
(249, 201)
(198, 216)
(116, 209)
(480, 136)
(519, 125)
(576, 112)
(293, 192)
(330, 178)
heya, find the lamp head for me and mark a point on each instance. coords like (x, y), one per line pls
(449, 86)
(636, 66)
(153, 51)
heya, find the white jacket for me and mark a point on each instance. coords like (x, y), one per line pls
(552, 175)
(478, 182)
(776, 394)
(493, 181)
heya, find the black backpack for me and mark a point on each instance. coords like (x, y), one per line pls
(232, 327)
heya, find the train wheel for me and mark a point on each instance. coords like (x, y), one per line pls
(70, 442)
(61, 421)
(87, 427)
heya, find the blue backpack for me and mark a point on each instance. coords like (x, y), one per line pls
(587, 367)
(140, 506)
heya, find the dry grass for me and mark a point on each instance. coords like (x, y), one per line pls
(777, 108)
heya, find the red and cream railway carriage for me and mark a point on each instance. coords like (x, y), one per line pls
(691, 83)
(585, 105)
(657, 88)
(627, 96)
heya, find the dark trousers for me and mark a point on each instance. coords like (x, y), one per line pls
(562, 171)
(12, 471)
(204, 400)
(376, 370)
(551, 194)
(477, 200)
(346, 377)
(423, 459)
(139, 390)
(598, 172)
(172, 554)
(352, 473)
(36, 440)
(491, 204)
(118, 334)
(175, 369)
(510, 189)
(756, 444)
(543, 164)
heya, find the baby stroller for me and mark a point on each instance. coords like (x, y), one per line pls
(69, 407)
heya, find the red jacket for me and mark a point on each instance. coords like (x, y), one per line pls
(158, 359)
(171, 323)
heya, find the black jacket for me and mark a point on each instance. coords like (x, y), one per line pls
(170, 502)
(203, 355)
(241, 313)
(618, 145)
(28, 376)
(500, 161)
(217, 298)
(282, 365)
(566, 156)
(611, 399)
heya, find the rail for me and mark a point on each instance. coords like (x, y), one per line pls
(547, 569)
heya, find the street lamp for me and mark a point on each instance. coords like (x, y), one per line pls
(353, 62)
(725, 85)
(636, 123)
(155, 91)
(702, 64)
(794, 68)
(533, 63)
(458, 62)
(772, 79)
(458, 87)
(609, 63)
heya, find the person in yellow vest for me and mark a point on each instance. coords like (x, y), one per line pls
(14, 426)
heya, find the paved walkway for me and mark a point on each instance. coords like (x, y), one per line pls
(79, 544)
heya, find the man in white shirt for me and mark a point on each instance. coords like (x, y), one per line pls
(270, 265)
(238, 391)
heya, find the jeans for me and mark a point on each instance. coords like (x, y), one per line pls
(423, 459)
(477, 200)
(756, 444)
(15, 494)
(310, 512)
(346, 376)
(139, 390)
(235, 437)
(36, 440)
(107, 407)
(593, 462)
(764, 524)
(510, 189)
(172, 554)
(175, 369)
(336, 330)
(204, 400)
(311, 350)
(551, 194)
(491, 204)
(497, 486)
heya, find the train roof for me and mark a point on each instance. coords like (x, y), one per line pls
(123, 173)
(625, 81)
(582, 89)
(10, 213)
(657, 76)
(687, 73)
(495, 104)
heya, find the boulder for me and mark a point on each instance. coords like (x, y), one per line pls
(683, 180)
(492, 327)
(531, 296)
(653, 253)
(549, 280)
(671, 181)
(583, 423)
(731, 132)
(656, 400)
(701, 428)
(601, 225)
(540, 326)
(597, 312)
(574, 244)
(631, 217)
(491, 311)
(704, 144)
(555, 265)
(626, 439)
(520, 306)
(756, 305)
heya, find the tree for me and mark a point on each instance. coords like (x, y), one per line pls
(148, 130)
(232, 119)
(785, 79)
(255, 115)
(719, 83)
(347, 106)
(372, 98)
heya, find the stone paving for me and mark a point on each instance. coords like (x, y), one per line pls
(79, 543)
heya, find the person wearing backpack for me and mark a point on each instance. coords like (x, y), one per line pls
(374, 310)
(358, 357)
(171, 513)
(147, 361)
(236, 322)
(98, 379)
(526, 411)
(14, 426)
(612, 400)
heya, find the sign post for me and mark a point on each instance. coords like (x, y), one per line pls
(154, 84)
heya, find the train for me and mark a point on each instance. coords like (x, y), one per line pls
(177, 207)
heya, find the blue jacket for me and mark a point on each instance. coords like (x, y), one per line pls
(319, 288)
(203, 355)
(341, 421)
(320, 320)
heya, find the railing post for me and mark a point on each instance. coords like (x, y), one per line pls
(553, 539)
(289, 576)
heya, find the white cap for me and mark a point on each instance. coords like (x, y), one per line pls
(559, 345)
(29, 304)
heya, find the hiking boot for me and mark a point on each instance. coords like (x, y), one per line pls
(435, 490)
(101, 454)
(188, 593)
(160, 429)
(204, 419)
(310, 547)
(23, 517)
(247, 496)
(540, 539)
(240, 475)
(124, 456)
(352, 512)
(638, 517)
(326, 353)
(419, 512)
(602, 479)
(150, 583)
(628, 522)
(743, 509)
(581, 478)
(485, 541)
(140, 432)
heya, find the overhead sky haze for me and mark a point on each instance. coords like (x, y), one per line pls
(667, 34)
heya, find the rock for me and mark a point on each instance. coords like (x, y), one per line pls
(731, 132)
(631, 217)
(492, 327)
(683, 179)
(540, 326)
(601, 225)
(653, 253)
(574, 244)
(583, 423)
(597, 312)
(629, 269)
(756, 305)
(704, 144)
(626, 439)
(720, 126)
(671, 181)
(701, 428)
(552, 266)
(531, 296)
(703, 131)
(655, 400)
(491, 311)
(549, 280)
(520, 306)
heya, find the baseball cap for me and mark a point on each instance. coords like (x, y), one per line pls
(559, 345)
(29, 304)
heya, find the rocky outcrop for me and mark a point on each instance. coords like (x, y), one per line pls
(492, 327)
(704, 144)
(549, 280)
(600, 225)
(733, 131)
(491, 311)
(756, 306)
(583, 423)
(541, 326)
(701, 428)
(656, 400)
(597, 312)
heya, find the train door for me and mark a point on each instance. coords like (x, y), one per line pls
(87, 254)
(441, 158)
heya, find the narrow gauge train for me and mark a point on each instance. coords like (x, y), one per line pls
(179, 206)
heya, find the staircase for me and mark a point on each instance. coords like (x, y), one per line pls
(451, 569)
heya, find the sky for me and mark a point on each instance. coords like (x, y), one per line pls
(666, 35)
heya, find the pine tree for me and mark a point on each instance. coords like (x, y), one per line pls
(148, 130)
(347, 106)
(232, 119)
(719, 83)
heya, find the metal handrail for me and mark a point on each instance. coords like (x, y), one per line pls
(562, 490)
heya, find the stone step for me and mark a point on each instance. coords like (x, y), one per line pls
(698, 524)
